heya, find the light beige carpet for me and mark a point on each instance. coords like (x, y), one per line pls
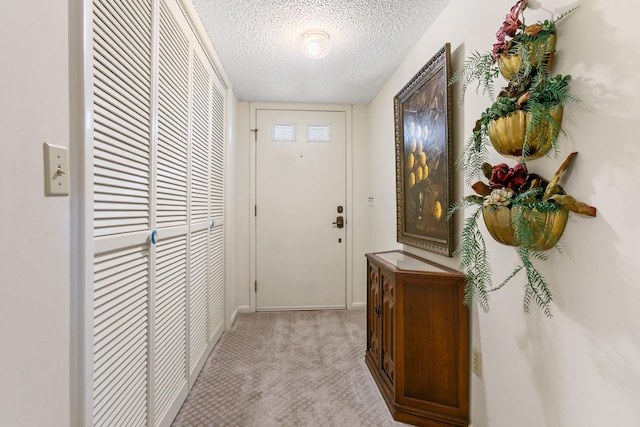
(299, 368)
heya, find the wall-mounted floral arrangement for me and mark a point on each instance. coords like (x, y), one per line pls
(519, 208)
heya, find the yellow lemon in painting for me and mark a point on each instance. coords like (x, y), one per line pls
(425, 171)
(418, 174)
(413, 144)
(419, 146)
(412, 180)
(411, 161)
(422, 158)
(437, 210)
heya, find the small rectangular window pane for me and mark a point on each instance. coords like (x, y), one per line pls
(319, 132)
(284, 132)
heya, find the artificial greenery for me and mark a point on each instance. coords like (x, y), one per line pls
(480, 68)
(539, 99)
(474, 258)
(529, 42)
(537, 208)
(475, 153)
(530, 202)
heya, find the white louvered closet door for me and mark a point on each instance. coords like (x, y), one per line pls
(119, 314)
(206, 293)
(215, 284)
(156, 154)
(169, 341)
(200, 226)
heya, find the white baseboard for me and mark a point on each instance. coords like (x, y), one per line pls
(247, 309)
(238, 310)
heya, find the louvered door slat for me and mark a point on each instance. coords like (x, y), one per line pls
(216, 281)
(111, 121)
(119, 99)
(200, 141)
(108, 77)
(110, 158)
(173, 132)
(129, 15)
(170, 323)
(217, 155)
(120, 335)
(198, 297)
(126, 65)
(122, 70)
(131, 55)
(112, 144)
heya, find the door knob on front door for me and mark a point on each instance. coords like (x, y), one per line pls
(339, 222)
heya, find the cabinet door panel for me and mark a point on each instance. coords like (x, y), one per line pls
(388, 328)
(430, 344)
(373, 318)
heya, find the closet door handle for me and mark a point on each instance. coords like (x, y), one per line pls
(154, 237)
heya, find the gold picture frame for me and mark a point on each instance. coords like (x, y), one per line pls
(424, 165)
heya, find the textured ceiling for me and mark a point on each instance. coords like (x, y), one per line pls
(258, 42)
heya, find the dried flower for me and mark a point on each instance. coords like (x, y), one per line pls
(509, 28)
(502, 176)
(499, 197)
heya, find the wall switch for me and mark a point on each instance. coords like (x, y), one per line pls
(56, 170)
(476, 362)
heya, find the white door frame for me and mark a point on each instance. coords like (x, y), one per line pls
(347, 109)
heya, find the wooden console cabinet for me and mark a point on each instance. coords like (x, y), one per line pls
(418, 339)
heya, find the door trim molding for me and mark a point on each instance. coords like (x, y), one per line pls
(348, 110)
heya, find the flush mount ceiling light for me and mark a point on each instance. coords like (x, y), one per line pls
(315, 44)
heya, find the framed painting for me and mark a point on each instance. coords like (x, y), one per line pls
(424, 165)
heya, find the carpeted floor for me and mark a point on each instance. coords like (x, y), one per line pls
(298, 368)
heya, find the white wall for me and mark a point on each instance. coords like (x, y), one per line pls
(231, 213)
(243, 208)
(362, 233)
(34, 229)
(579, 368)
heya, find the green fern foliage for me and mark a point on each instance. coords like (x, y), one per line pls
(536, 288)
(477, 68)
(474, 259)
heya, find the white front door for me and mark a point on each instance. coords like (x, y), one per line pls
(300, 193)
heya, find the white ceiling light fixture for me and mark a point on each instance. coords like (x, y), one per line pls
(315, 44)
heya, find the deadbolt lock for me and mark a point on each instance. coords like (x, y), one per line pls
(340, 209)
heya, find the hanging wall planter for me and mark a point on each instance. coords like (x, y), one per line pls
(509, 137)
(546, 227)
(533, 52)
(522, 210)
(518, 208)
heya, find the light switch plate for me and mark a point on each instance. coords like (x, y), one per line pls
(56, 170)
